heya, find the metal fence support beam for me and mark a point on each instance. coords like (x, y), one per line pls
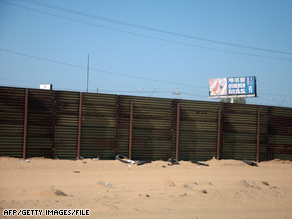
(177, 131)
(269, 156)
(219, 136)
(258, 135)
(79, 125)
(171, 129)
(54, 124)
(25, 124)
(118, 115)
(131, 131)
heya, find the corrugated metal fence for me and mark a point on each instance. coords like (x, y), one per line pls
(70, 125)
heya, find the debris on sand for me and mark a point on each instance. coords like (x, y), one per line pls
(265, 183)
(204, 191)
(199, 163)
(124, 159)
(141, 162)
(107, 184)
(172, 162)
(187, 186)
(25, 160)
(60, 193)
(250, 184)
(250, 163)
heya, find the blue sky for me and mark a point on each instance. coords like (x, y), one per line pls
(137, 47)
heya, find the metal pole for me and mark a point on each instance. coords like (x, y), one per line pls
(79, 125)
(131, 131)
(25, 124)
(87, 73)
(118, 116)
(172, 128)
(219, 136)
(177, 131)
(54, 124)
(258, 135)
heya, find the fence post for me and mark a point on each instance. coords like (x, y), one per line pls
(118, 115)
(177, 131)
(131, 131)
(258, 135)
(79, 125)
(270, 156)
(219, 136)
(25, 124)
(54, 124)
(171, 129)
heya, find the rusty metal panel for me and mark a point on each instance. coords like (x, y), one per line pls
(39, 131)
(12, 104)
(239, 132)
(264, 126)
(240, 127)
(99, 120)
(198, 130)
(66, 125)
(280, 133)
(152, 122)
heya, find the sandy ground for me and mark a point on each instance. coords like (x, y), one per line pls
(112, 189)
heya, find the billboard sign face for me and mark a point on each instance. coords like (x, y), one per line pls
(218, 87)
(233, 86)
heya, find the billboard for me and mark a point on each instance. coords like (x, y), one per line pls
(233, 86)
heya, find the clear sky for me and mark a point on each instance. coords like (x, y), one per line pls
(143, 48)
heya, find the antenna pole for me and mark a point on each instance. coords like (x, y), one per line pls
(87, 73)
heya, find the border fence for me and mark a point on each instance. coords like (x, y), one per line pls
(70, 125)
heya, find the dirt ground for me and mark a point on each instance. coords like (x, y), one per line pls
(225, 189)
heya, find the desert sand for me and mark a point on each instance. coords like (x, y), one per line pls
(112, 189)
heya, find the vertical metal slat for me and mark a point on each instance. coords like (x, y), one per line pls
(219, 136)
(79, 126)
(258, 135)
(177, 131)
(25, 124)
(131, 131)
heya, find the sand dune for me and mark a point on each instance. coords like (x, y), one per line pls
(112, 189)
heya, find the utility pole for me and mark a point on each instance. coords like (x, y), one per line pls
(87, 73)
(176, 93)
